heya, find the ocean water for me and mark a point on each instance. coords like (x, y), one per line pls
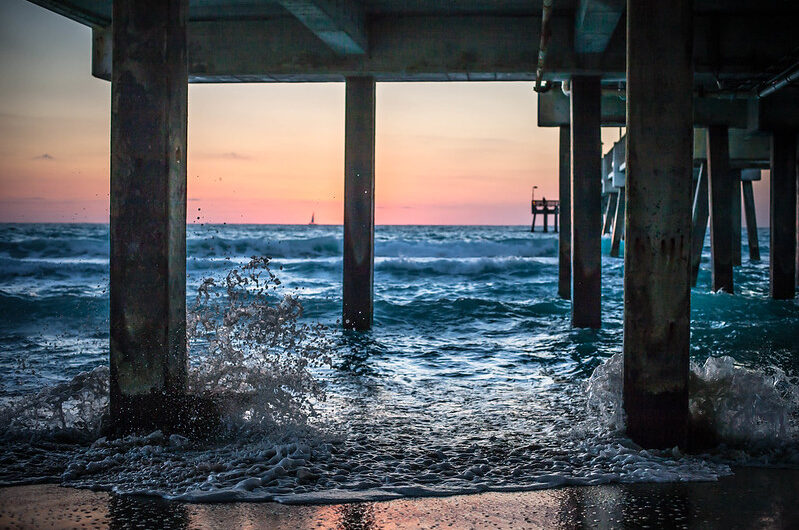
(472, 379)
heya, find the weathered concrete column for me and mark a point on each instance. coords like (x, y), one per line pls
(735, 176)
(698, 223)
(149, 97)
(721, 182)
(586, 188)
(610, 213)
(782, 258)
(564, 239)
(657, 251)
(618, 224)
(751, 220)
(359, 203)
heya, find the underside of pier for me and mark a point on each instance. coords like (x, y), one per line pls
(663, 69)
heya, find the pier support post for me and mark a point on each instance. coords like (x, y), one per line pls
(607, 225)
(699, 223)
(721, 182)
(751, 220)
(149, 96)
(618, 224)
(735, 176)
(359, 203)
(782, 259)
(586, 187)
(564, 238)
(657, 252)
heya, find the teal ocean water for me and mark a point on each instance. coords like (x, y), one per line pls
(471, 380)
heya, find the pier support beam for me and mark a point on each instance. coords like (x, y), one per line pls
(721, 183)
(618, 224)
(735, 176)
(751, 220)
(782, 259)
(564, 238)
(359, 203)
(586, 187)
(149, 98)
(610, 212)
(657, 252)
(699, 223)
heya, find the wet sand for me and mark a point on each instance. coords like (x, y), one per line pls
(752, 498)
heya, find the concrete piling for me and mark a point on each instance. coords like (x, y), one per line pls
(735, 176)
(359, 203)
(657, 250)
(782, 259)
(610, 213)
(751, 220)
(618, 224)
(721, 184)
(586, 190)
(699, 223)
(564, 237)
(148, 214)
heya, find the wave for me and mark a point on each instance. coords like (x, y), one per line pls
(53, 268)
(56, 247)
(312, 247)
(464, 266)
(742, 407)
(27, 309)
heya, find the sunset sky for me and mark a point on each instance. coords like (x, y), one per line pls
(447, 153)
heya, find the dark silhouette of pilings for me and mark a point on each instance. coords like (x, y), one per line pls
(586, 165)
(359, 203)
(657, 250)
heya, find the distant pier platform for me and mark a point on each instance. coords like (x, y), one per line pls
(546, 208)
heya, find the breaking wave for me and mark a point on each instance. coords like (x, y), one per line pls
(749, 409)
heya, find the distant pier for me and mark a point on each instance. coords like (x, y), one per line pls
(545, 208)
(669, 72)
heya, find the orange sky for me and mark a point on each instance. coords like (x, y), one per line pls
(447, 153)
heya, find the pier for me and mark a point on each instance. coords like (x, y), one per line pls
(545, 208)
(705, 89)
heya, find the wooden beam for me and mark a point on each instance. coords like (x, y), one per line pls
(340, 24)
(595, 23)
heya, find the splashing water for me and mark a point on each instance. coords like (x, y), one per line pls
(741, 406)
(251, 352)
(472, 379)
(255, 351)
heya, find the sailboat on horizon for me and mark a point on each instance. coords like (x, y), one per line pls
(312, 218)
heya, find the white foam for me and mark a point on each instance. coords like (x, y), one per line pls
(743, 407)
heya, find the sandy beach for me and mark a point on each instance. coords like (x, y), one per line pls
(752, 498)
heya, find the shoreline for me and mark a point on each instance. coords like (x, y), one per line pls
(750, 498)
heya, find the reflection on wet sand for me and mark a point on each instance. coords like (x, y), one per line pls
(753, 498)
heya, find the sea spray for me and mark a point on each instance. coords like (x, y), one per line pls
(252, 349)
(752, 409)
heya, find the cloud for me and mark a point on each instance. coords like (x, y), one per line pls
(230, 155)
(44, 156)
